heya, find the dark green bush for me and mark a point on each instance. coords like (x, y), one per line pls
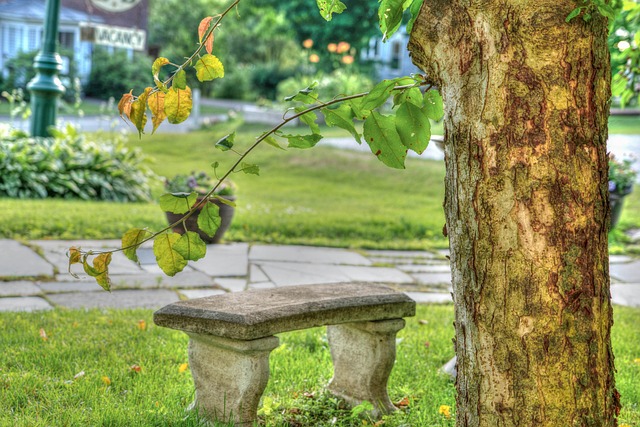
(71, 166)
(113, 74)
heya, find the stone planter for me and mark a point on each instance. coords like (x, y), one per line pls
(226, 216)
(616, 201)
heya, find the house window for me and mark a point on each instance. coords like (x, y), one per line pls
(14, 41)
(66, 39)
(34, 39)
(396, 50)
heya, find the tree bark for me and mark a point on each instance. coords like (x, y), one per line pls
(526, 98)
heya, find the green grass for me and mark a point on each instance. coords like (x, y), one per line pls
(629, 125)
(323, 196)
(38, 388)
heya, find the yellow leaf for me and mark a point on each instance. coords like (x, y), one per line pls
(43, 335)
(202, 29)
(208, 68)
(138, 114)
(155, 70)
(75, 257)
(636, 361)
(156, 105)
(183, 367)
(106, 380)
(142, 325)
(124, 105)
(177, 104)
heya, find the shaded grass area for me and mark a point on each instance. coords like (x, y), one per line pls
(82, 373)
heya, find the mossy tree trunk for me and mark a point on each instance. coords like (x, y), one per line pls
(526, 97)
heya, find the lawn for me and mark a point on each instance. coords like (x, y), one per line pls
(323, 196)
(81, 368)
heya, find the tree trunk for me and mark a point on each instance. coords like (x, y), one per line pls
(526, 97)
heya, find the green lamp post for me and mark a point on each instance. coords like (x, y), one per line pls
(46, 87)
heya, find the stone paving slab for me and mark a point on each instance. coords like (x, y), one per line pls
(232, 285)
(153, 299)
(70, 286)
(306, 254)
(432, 278)
(430, 298)
(626, 294)
(20, 288)
(289, 273)
(428, 269)
(200, 293)
(224, 260)
(56, 253)
(24, 304)
(627, 272)
(402, 254)
(21, 261)
(256, 275)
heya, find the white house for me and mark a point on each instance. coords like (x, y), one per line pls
(391, 57)
(21, 27)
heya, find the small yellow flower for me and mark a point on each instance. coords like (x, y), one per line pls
(445, 410)
(106, 380)
(183, 367)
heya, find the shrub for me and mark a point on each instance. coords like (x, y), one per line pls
(113, 74)
(329, 85)
(71, 166)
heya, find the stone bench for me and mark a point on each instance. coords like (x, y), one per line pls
(232, 335)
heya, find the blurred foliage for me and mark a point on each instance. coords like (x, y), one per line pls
(114, 73)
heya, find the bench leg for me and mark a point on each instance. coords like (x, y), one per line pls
(363, 355)
(229, 376)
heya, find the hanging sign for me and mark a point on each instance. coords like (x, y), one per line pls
(109, 35)
(115, 5)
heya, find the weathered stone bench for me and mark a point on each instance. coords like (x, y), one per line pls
(231, 336)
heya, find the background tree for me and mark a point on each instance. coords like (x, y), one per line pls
(526, 97)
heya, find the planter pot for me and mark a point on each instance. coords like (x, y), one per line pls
(226, 215)
(616, 201)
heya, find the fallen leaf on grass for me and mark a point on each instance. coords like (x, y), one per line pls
(636, 361)
(309, 395)
(427, 344)
(106, 380)
(142, 325)
(402, 403)
(423, 322)
(445, 410)
(183, 367)
(43, 335)
(135, 368)
(78, 375)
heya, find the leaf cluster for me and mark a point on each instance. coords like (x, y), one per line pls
(71, 165)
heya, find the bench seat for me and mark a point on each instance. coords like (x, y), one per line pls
(233, 334)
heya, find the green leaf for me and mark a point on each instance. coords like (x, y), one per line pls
(575, 12)
(303, 141)
(413, 126)
(250, 168)
(190, 246)
(412, 95)
(329, 7)
(180, 80)
(208, 68)
(414, 9)
(307, 95)
(178, 203)
(384, 141)
(100, 270)
(272, 142)
(378, 95)
(358, 112)
(131, 240)
(618, 84)
(309, 119)
(209, 219)
(170, 261)
(433, 106)
(607, 10)
(226, 142)
(341, 117)
(390, 17)
(225, 201)
(177, 105)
